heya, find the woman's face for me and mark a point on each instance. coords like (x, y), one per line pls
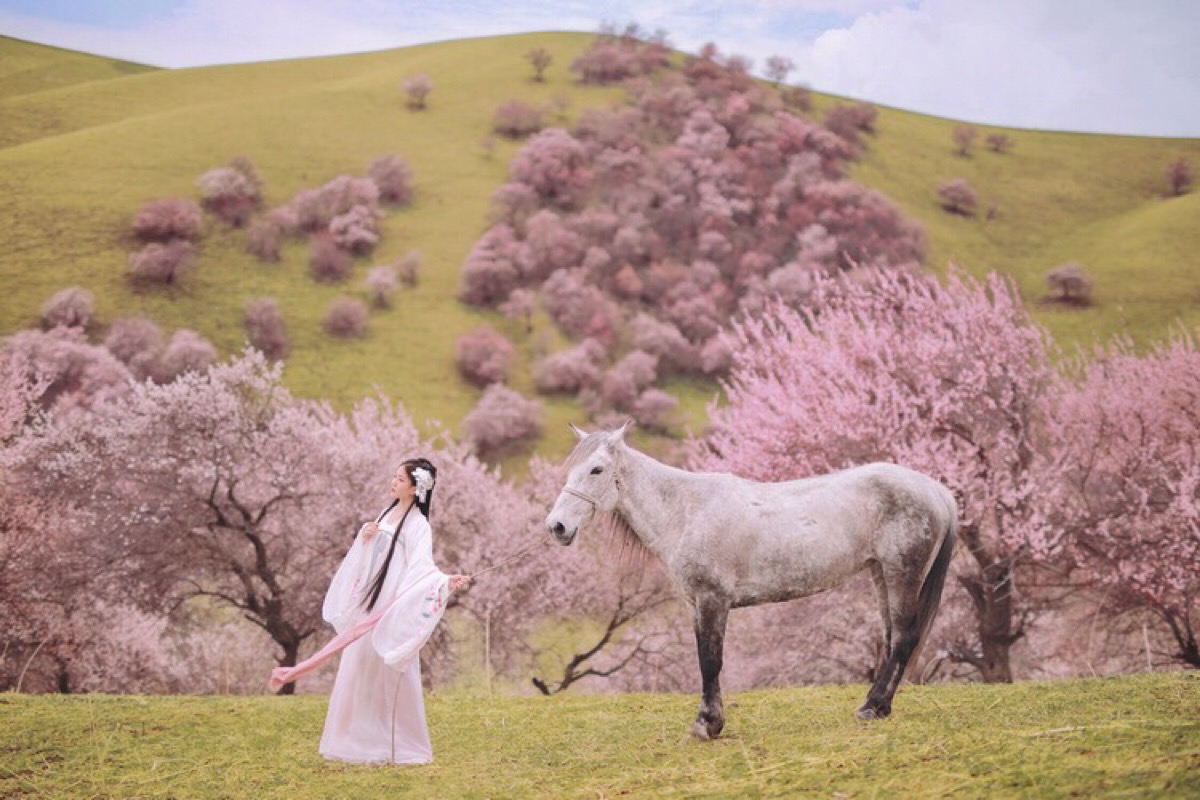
(403, 488)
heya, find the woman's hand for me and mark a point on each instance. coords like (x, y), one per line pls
(459, 582)
(368, 531)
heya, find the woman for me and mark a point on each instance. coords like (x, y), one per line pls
(376, 711)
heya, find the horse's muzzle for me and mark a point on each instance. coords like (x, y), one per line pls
(560, 532)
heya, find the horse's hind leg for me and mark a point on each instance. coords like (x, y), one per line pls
(885, 612)
(903, 636)
(709, 615)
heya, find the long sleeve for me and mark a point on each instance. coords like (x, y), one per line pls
(420, 601)
(341, 608)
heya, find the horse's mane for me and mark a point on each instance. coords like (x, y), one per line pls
(631, 553)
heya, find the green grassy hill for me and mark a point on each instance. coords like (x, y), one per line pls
(1135, 736)
(84, 149)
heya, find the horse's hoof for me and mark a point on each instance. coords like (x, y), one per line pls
(871, 713)
(703, 731)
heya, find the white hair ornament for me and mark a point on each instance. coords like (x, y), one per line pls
(423, 481)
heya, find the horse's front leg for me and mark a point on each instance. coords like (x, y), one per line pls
(708, 617)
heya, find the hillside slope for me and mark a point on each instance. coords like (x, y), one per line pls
(1057, 197)
(78, 160)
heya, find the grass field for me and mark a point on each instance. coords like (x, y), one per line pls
(1134, 736)
(86, 141)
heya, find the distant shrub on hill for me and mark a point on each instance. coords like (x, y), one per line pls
(958, 197)
(999, 142)
(382, 283)
(1070, 283)
(516, 119)
(1180, 176)
(850, 122)
(346, 318)
(778, 68)
(483, 356)
(265, 329)
(265, 240)
(393, 177)
(408, 268)
(653, 410)
(501, 419)
(165, 220)
(417, 89)
(327, 261)
(579, 367)
(137, 343)
(187, 351)
(231, 194)
(539, 58)
(964, 137)
(356, 231)
(520, 305)
(72, 307)
(162, 263)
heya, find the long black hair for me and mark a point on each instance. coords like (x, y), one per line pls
(375, 588)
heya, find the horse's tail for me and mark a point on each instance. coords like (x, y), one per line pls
(931, 590)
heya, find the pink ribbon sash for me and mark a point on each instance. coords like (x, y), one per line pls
(280, 676)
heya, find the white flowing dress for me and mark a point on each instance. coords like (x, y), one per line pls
(376, 710)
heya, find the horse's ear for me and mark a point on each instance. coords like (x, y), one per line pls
(619, 434)
(579, 433)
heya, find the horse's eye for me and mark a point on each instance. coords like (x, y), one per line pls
(597, 470)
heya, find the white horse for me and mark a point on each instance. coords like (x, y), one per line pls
(728, 542)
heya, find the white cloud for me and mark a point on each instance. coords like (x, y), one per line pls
(1079, 65)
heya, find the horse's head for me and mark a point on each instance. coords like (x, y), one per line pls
(591, 486)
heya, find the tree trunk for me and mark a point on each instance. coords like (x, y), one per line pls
(291, 654)
(991, 591)
(1185, 637)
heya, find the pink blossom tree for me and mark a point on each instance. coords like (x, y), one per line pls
(483, 356)
(265, 328)
(958, 197)
(517, 119)
(357, 230)
(417, 88)
(162, 263)
(187, 351)
(1128, 429)
(346, 318)
(229, 194)
(328, 262)
(501, 419)
(1180, 176)
(952, 380)
(491, 273)
(964, 137)
(570, 370)
(264, 240)
(164, 220)
(72, 374)
(219, 485)
(382, 284)
(393, 177)
(72, 307)
(137, 343)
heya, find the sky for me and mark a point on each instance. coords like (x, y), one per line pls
(1105, 66)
